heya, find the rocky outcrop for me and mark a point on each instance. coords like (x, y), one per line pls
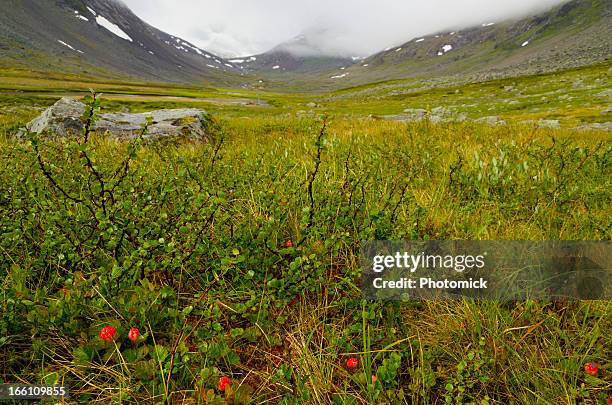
(436, 115)
(491, 120)
(415, 114)
(63, 119)
(442, 114)
(597, 126)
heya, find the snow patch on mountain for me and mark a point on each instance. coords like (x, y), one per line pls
(69, 46)
(103, 22)
(196, 49)
(77, 15)
(340, 76)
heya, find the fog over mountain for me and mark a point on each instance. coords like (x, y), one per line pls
(341, 27)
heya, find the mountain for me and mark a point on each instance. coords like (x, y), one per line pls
(576, 33)
(573, 34)
(302, 54)
(103, 38)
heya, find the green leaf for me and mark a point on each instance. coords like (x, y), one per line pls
(116, 272)
(51, 378)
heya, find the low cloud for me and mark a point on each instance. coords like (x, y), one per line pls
(342, 27)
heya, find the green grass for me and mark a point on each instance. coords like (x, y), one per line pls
(189, 244)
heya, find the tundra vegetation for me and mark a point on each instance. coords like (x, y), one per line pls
(238, 259)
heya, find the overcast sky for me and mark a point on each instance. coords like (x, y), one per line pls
(346, 27)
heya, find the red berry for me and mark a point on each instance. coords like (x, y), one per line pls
(224, 382)
(609, 401)
(374, 379)
(107, 333)
(289, 243)
(591, 368)
(133, 334)
(352, 363)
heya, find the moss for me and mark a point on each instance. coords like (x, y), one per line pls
(184, 121)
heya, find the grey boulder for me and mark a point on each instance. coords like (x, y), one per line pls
(443, 114)
(549, 124)
(63, 119)
(437, 115)
(597, 126)
(415, 114)
(491, 120)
